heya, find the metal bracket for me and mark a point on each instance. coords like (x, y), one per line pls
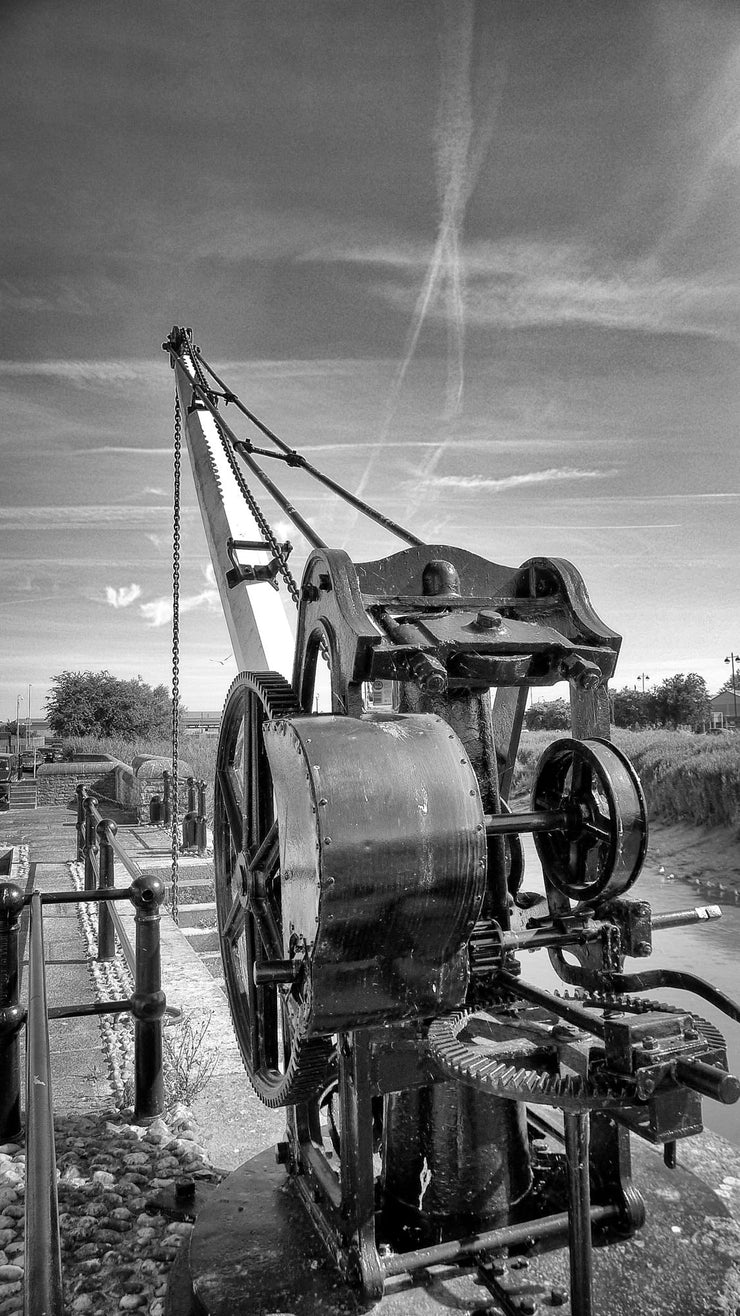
(261, 574)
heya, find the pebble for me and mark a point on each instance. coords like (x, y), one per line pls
(116, 1255)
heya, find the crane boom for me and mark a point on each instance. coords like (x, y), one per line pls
(260, 631)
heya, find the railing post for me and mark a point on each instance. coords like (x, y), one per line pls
(191, 794)
(90, 849)
(148, 1001)
(43, 1254)
(11, 1014)
(106, 933)
(201, 838)
(167, 799)
(80, 793)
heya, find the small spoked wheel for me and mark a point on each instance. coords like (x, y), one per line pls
(284, 1067)
(598, 852)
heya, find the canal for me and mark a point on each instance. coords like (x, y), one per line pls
(710, 950)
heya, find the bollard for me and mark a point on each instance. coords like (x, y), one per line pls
(191, 794)
(106, 933)
(148, 1002)
(11, 1014)
(155, 809)
(91, 844)
(167, 808)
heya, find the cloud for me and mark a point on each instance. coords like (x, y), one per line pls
(101, 516)
(158, 612)
(512, 481)
(524, 283)
(122, 597)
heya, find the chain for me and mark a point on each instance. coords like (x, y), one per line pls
(174, 799)
(264, 525)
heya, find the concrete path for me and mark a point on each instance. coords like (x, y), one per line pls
(233, 1122)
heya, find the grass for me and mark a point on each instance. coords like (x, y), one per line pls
(198, 751)
(686, 777)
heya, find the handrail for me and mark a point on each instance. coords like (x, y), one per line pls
(43, 1273)
(43, 1249)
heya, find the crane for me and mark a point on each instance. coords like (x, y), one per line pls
(442, 1111)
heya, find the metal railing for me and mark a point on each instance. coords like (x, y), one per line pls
(98, 848)
(194, 819)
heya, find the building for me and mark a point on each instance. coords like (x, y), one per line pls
(724, 709)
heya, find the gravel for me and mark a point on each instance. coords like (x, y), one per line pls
(117, 1247)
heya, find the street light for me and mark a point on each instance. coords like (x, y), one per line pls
(733, 658)
(643, 677)
(18, 702)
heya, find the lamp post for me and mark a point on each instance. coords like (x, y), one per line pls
(643, 677)
(18, 702)
(733, 658)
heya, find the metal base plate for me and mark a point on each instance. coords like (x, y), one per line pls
(253, 1252)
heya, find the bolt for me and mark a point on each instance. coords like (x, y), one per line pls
(648, 1043)
(643, 948)
(487, 620)
(498, 1268)
(527, 1304)
(558, 1297)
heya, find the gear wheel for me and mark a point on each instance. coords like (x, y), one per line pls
(284, 1066)
(515, 1052)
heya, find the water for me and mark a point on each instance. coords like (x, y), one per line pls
(708, 950)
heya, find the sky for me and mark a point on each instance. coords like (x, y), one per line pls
(477, 259)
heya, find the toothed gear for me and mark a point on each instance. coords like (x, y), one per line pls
(284, 1066)
(523, 1066)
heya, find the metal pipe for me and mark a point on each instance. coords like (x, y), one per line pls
(549, 1227)
(89, 1008)
(680, 918)
(167, 799)
(568, 1010)
(43, 1257)
(577, 1138)
(652, 978)
(501, 824)
(90, 847)
(148, 1002)
(11, 1014)
(106, 934)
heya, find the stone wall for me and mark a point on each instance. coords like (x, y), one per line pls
(106, 777)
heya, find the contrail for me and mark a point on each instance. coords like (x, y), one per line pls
(460, 150)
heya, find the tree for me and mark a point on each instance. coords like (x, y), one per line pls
(548, 715)
(681, 701)
(632, 708)
(98, 704)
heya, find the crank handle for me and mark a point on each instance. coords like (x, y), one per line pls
(709, 1081)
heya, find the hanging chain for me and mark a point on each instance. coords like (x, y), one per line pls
(174, 785)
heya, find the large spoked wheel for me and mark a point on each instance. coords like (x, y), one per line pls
(598, 854)
(269, 1017)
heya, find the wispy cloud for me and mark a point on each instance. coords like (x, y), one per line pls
(490, 483)
(122, 597)
(158, 612)
(102, 516)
